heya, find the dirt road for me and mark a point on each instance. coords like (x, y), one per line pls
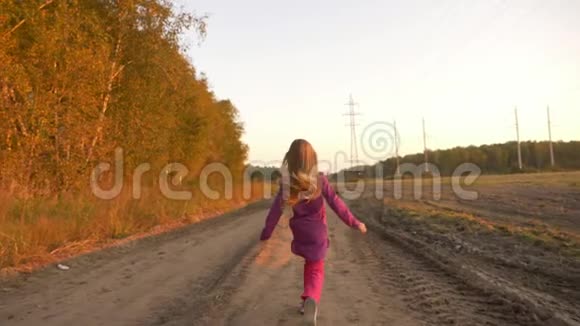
(217, 273)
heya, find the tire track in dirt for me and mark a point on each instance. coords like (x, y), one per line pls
(534, 267)
(266, 288)
(254, 290)
(432, 294)
(495, 265)
(513, 304)
(353, 286)
(369, 281)
(218, 273)
(203, 293)
(133, 284)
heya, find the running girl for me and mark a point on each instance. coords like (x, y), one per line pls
(303, 192)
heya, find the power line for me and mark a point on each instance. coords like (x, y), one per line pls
(552, 160)
(398, 170)
(518, 139)
(352, 123)
(425, 150)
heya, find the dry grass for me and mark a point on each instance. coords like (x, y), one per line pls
(38, 231)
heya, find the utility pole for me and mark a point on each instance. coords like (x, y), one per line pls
(352, 123)
(552, 161)
(518, 140)
(398, 170)
(425, 148)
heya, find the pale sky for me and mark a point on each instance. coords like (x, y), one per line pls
(290, 66)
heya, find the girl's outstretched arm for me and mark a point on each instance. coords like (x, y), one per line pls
(273, 216)
(338, 206)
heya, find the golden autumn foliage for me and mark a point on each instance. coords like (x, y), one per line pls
(78, 79)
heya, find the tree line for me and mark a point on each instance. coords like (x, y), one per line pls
(491, 159)
(79, 78)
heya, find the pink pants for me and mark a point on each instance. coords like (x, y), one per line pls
(313, 279)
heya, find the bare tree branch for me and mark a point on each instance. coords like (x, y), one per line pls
(20, 23)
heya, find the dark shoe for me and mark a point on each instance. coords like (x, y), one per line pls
(310, 312)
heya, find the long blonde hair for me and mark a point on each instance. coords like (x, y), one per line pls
(300, 173)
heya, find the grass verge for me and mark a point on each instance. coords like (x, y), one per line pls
(39, 231)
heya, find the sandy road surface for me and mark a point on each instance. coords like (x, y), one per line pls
(217, 273)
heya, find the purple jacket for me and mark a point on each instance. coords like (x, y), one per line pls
(308, 224)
